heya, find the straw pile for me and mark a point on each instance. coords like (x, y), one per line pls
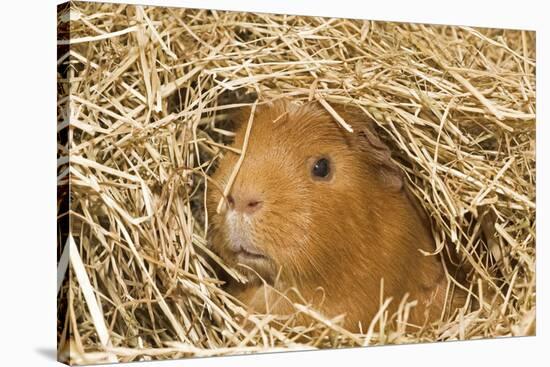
(140, 114)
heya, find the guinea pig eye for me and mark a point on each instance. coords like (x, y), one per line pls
(321, 169)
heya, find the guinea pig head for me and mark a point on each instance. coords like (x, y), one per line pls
(305, 187)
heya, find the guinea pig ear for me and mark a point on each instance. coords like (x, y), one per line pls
(377, 153)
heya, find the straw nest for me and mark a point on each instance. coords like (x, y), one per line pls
(140, 115)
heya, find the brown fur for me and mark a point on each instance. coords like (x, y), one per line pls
(332, 240)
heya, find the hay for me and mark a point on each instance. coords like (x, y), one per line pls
(139, 115)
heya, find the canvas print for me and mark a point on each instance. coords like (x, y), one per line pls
(241, 183)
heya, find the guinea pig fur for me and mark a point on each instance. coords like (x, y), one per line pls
(325, 211)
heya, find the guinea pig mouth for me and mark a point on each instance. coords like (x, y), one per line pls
(250, 254)
(245, 251)
(240, 239)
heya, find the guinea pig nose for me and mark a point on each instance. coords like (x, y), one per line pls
(252, 206)
(231, 201)
(245, 204)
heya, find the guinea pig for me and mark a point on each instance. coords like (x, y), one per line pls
(324, 211)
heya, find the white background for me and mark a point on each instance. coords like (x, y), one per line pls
(28, 182)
